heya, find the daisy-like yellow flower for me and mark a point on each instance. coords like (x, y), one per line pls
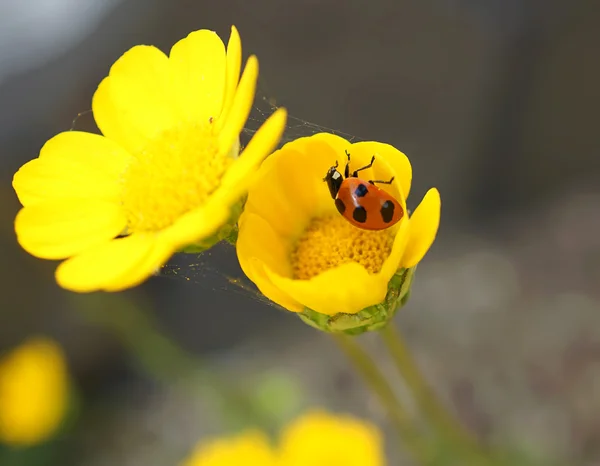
(34, 389)
(315, 439)
(303, 255)
(164, 175)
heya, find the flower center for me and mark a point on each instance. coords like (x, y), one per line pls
(172, 175)
(332, 241)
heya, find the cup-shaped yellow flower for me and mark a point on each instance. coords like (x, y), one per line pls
(316, 438)
(34, 392)
(303, 255)
(165, 174)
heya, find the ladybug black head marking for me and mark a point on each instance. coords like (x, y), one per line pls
(334, 180)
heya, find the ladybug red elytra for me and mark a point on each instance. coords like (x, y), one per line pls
(360, 202)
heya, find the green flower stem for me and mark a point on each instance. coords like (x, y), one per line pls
(164, 360)
(440, 419)
(411, 439)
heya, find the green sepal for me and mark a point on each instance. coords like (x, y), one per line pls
(369, 319)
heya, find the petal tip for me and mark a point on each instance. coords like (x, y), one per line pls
(280, 118)
(434, 192)
(252, 65)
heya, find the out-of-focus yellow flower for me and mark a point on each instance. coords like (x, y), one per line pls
(34, 389)
(315, 439)
(164, 175)
(321, 439)
(303, 255)
(250, 448)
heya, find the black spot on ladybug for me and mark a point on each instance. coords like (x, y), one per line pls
(387, 211)
(360, 214)
(341, 207)
(361, 190)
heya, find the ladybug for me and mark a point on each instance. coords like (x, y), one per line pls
(360, 202)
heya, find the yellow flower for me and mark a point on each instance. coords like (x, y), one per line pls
(303, 255)
(34, 389)
(315, 439)
(250, 448)
(321, 439)
(165, 173)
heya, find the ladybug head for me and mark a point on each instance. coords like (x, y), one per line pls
(334, 180)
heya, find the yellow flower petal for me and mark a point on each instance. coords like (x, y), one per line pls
(260, 240)
(320, 152)
(60, 228)
(250, 448)
(199, 65)
(234, 65)
(199, 223)
(347, 288)
(424, 224)
(112, 122)
(140, 98)
(321, 439)
(257, 272)
(240, 107)
(115, 265)
(392, 263)
(236, 180)
(393, 158)
(338, 144)
(73, 164)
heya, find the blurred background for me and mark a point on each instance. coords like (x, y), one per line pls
(494, 101)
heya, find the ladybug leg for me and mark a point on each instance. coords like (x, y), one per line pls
(382, 181)
(355, 173)
(347, 170)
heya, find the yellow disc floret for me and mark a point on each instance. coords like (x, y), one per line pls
(175, 173)
(331, 241)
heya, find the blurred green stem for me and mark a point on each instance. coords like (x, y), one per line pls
(411, 439)
(446, 425)
(164, 360)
